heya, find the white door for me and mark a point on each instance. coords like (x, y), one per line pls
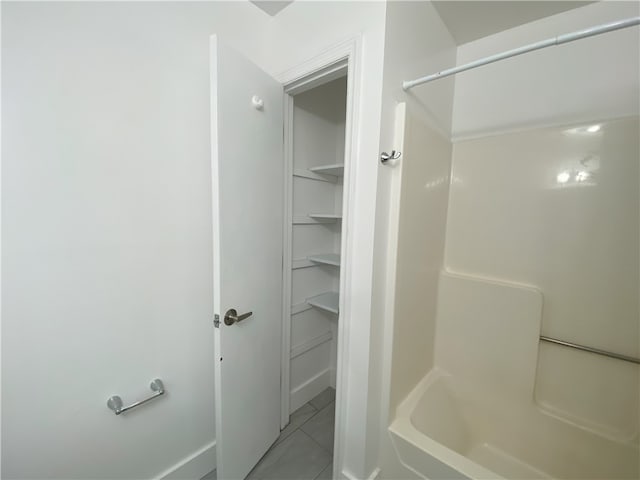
(248, 181)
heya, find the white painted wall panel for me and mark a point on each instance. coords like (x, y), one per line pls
(312, 281)
(307, 366)
(594, 78)
(416, 40)
(128, 84)
(305, 27)
(307, 325)
(318, 122)
(312, 196)
(106, 232)
(309, 239)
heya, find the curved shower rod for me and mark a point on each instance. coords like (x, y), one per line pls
(559, 40)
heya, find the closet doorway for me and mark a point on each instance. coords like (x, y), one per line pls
(280, 245)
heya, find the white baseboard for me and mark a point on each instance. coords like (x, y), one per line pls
(309, 389)
(193, 467)
(372, 476)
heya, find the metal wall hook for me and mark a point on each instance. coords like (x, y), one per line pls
(385, 157)
(115, 403)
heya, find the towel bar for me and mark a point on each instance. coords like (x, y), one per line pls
(597, 351)
(115, 403)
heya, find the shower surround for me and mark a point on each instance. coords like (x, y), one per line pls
(542, 238)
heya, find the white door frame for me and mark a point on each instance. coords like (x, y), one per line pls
(320, 69)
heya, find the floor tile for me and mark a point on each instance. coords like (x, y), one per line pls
(212, 476)
(296, 420)
(297, 457)
(327, 473)
(324, 398)
(321, 427)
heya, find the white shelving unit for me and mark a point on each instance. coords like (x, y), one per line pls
(316, 144)
(326, 301)
(326, 258)
(302, 173)
(326, 216)
(308, 220)
(336, 170)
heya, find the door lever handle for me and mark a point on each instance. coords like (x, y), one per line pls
(232, 316)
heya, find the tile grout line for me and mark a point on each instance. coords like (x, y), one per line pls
(314, 441)
(280, 440)
(317, 412)
(325, 467)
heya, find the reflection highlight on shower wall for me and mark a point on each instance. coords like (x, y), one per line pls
(558, 208)
(542, 237)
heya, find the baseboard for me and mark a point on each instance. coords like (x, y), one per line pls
(309, 389)
(193, 467)
(372, 476)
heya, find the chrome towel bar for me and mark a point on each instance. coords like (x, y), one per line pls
(115, 403)
(597, 351)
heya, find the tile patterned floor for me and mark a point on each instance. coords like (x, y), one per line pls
(304, 449)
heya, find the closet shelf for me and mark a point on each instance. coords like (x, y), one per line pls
(326, 258)
(297, 172)
(313, 219)
(327, 302)
(337, 169)
(325, 216)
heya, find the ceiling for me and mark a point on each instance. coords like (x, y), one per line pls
(271, 7)
(471, 20)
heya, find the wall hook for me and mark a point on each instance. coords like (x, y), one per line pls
(385, 157)
(257, 102)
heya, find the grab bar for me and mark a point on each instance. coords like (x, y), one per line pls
(597, 351)
(115, 403)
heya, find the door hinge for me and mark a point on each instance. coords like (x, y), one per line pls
(216, 320)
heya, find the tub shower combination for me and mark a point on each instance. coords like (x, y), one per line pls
(475, 414)
(534, 369)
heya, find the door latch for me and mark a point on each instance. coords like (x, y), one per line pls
(216, 320)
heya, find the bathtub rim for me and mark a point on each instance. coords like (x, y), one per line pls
(402, 427)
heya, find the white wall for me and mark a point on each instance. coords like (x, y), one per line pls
(302, 30)
(107, 232)
(107, 222)
(416, 41)
(594, 78)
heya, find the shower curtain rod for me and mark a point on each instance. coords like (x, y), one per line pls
(559, 40)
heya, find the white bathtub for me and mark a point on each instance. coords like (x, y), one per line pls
(447, 430)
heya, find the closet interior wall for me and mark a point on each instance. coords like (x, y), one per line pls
(318, 134)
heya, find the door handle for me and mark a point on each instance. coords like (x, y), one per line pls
(232, 316)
